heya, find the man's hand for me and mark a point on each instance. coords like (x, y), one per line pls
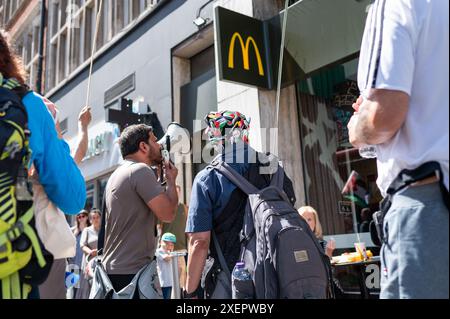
(357, 104)
(353, 123)
(85, 117)
(171, 171)
(352, 134)
(378, 117)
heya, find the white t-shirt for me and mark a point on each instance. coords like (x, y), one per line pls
(411, 56)
(164, 269)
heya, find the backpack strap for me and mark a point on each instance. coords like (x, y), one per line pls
(278, 177)
(101, 234)
(235, 178)
(222, 261)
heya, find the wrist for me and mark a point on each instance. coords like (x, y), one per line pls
(191, 295)
(171, 181)
(82, 128)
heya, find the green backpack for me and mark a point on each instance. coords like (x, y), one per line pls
(24, 262)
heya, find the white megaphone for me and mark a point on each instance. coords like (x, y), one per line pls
(175, 141)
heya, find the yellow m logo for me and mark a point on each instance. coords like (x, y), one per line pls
(245, 54)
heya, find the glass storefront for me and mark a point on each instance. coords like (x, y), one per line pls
(321, 41)
(325, 107)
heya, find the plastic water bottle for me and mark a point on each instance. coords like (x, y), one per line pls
(368, 151)
(242, 283)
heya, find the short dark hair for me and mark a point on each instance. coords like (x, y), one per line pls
(132, 136)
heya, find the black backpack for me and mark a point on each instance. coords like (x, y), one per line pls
(280, 251)
(24, 262)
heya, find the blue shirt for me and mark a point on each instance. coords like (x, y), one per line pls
(211, 192)
(58, 172)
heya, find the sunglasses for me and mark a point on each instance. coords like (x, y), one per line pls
(81, 216)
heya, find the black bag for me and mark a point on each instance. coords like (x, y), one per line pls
(280, 251)
(404, 179)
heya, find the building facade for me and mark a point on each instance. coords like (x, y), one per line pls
(164, 56)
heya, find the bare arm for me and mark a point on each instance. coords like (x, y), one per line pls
(378, 117)
(164, 204)
(83, 122)
(198, 251)
(84, 244)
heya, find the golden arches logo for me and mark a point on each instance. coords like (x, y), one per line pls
(245, 52)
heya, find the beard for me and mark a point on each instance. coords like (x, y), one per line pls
(155, 157)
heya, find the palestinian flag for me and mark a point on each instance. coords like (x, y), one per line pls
(354, 190)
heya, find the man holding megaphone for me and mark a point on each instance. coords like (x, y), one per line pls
(134, 200)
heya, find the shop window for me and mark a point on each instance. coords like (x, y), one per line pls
(325, 101)
(339, 184)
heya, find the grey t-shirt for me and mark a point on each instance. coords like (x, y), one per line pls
(130, 236)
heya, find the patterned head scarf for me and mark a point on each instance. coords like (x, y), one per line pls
(227, 125)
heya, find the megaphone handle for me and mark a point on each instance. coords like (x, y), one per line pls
(161, 176)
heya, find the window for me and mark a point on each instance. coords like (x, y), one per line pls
(339, 183)
(72, 26)
(329, 159)
(9, 9)
(27, 45)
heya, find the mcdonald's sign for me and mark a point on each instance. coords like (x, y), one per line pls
(243, 49)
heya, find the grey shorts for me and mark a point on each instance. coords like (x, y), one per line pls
(414, 257)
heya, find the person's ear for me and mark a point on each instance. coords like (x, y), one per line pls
(143, 147)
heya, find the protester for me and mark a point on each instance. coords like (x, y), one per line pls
(134, 201)
(164, 259)
(58, 173)
(217, 204)
(404, 111)
(312, 218)
(88, 244)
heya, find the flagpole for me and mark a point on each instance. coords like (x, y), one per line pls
(99, 13)
(355, 224)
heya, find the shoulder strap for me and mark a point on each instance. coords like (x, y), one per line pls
(235, 178)
(222, 261)
(101, 234)
(278, 177)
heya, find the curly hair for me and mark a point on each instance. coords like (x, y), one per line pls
(11, 65)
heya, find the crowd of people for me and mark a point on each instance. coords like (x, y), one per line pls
(403, 79)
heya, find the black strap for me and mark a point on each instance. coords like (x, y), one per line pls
(101, 234)
(278, 177)
(408, 177)
(222, 261)
(235, 178)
